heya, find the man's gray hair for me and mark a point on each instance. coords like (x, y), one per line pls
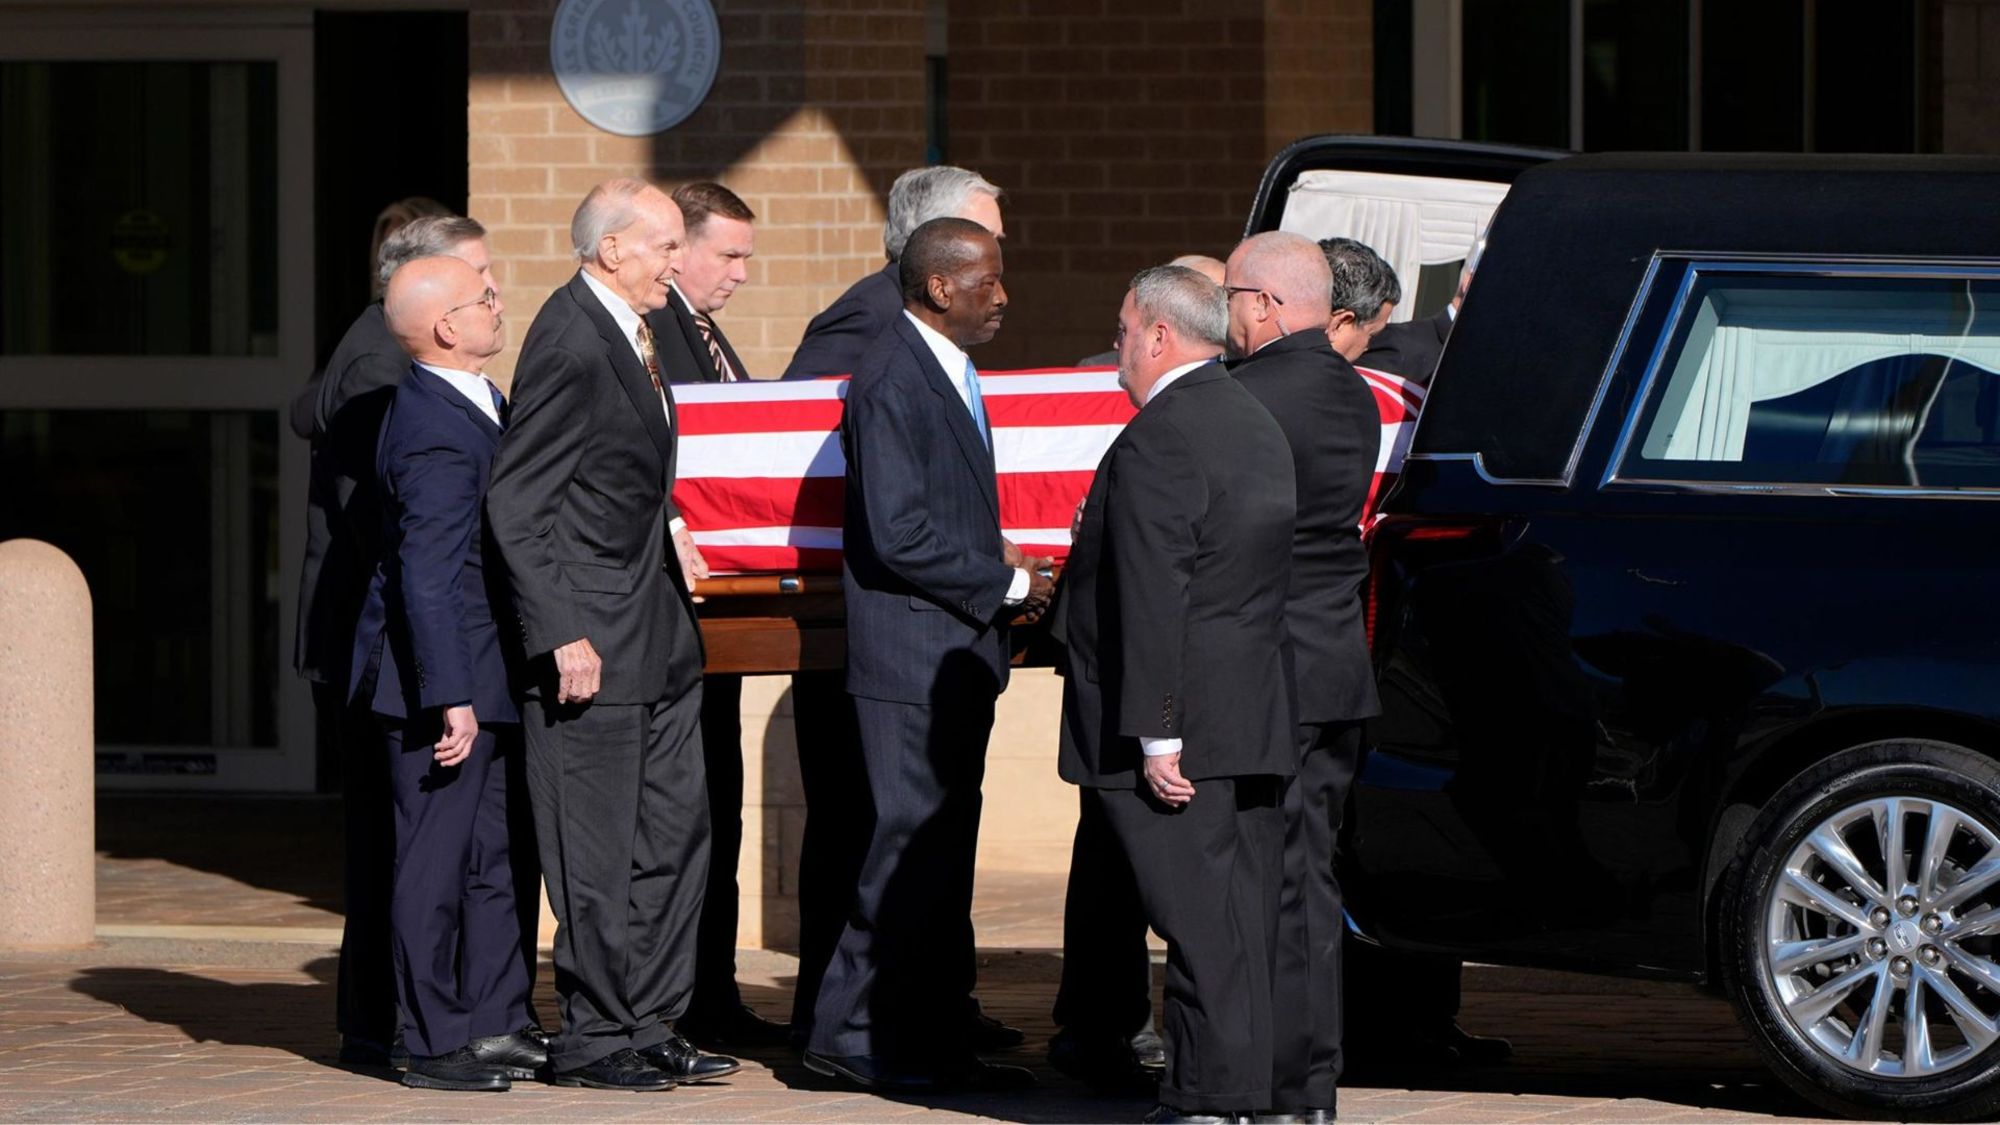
(607, 209)
(1362, 280)
(922, 194)
(429, 237)
(1185, 301)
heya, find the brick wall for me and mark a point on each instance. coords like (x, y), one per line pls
(816, 107)
(1127, 132)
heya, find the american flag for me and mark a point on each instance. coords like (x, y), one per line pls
(761, 471)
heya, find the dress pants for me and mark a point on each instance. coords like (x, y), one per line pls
(1208, 874)
(1107, 971)
(715, 991)
(365, 995)
(456, 934)
(621, 818)
(840, 820)
(900, 981)
(1306, 988)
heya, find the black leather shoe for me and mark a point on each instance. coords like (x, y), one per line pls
(977, 1074)
(619, 1070)
(1149, 1050)
(1106, 1063)
(459, 1070)
(1295, 1117)
(870, 1073)
(740, 1028)
(985, 1033)
(534, 1031)
(515, 1053)
(1168, 1115)
(677, 1059)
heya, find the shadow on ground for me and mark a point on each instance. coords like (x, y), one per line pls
(288, 844)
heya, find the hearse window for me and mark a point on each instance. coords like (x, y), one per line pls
(1871, 381)
(1423, 225)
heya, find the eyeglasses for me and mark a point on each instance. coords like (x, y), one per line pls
(1233, 290)
(487, 298)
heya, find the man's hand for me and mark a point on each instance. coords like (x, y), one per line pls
(1164, 780)
(577, 671)
(1012, 556)
(1041, 588)
(460, 728)
(1076, 521)
(693, 566)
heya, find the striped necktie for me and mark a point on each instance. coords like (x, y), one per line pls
(711, 337)
(652, 361)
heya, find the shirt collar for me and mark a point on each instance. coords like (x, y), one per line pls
(674, 290)
(949, 355)
(1160, 384)
(477, 389)
(627, 320)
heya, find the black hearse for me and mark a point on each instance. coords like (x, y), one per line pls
(1685, 612)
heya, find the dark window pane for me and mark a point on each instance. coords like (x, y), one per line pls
(173, 518)
(1837, 381)
(1635, 75)
(1865, 77)
(1394, 115)
(1517, 71)
(1753, 76)
(138, 208)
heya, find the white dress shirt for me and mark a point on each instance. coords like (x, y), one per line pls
(954, 361)
(477, 389)
(1161, 747)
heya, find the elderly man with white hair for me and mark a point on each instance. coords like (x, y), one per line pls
(581, 509)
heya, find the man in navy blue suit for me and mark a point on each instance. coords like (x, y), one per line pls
(930, 585)
(428, 662)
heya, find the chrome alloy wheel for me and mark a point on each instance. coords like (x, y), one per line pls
(1880, 937)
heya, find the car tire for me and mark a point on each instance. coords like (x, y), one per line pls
(1823, 948)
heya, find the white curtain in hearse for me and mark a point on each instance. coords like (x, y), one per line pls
(1412, 221)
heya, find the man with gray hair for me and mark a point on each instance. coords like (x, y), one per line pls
(836, 339)
(343, 543)
(581, 509)
(1333, 432)
(1176, 702)
(1365, 292)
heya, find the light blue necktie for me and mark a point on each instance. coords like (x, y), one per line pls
(977, 405)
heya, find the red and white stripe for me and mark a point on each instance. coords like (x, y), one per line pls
(761, 470)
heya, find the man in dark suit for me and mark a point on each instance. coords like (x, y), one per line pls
(1412, 348)
(1177, 711)
(929, 591)
(601, 569)
(693, 349)
(428, 663)
(836, 339)
(1334, 432)
(342, 408)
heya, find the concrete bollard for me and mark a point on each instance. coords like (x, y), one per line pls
(48, 822)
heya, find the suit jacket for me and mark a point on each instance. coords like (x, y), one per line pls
(921, 554)
(842, 333)
(682, 353)
(1172, 611)
(343, 512)
(1410, 348)
(581, 499)
(428, 622)
(1330, 422)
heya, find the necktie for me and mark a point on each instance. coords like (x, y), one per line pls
(652, 361)
(708, 336)
(977, 404)
(499, 403)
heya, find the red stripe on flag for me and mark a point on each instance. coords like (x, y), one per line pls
(1091, 408)
(723, 503)
(768, 416)
(789, 560)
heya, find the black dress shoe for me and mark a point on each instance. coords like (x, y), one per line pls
(1106, 1063)
(534, 1031)
(870, 1073)
(516, 1053)
(459, 1070)
(677, 1059)
(740, 1028)
(977, 1074)
(619, 1070)
(985, 1033)
(1296, 1117)
(1168, 1115)
(1148, 1049)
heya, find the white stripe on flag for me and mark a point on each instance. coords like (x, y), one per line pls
(1068, 383)
(1051, 449)
(825, 537)
(1048, 535)
(761, 390)
(1395, 444)
(788, 453)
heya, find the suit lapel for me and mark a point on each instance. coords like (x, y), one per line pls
(690, 333)
(436, 385)
(957, 418)
(632, 377)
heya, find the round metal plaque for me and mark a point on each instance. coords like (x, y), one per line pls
(635, 67)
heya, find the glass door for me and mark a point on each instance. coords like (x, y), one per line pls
(155, 318)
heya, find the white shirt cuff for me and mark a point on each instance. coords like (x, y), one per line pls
(676, 525)
(1017, 590)
(1159, 747)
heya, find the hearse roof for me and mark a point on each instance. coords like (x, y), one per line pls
(1572, 242)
